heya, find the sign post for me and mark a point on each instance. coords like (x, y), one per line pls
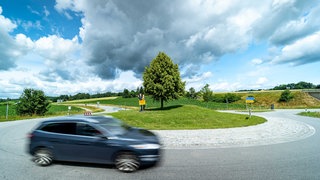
(69, 108)
(249, 100)
(7, 111)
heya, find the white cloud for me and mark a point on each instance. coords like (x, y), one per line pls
(302, 51)
(117, 39)
(262, 80)
(199, 78)
(6, 25)
(256, 61)
(24, 42)
(45, 11)
(56, 48)
(225, 86)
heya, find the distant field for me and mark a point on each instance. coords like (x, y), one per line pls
(93, 99)
(263, 101)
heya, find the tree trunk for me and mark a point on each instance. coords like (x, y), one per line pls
(161, 103)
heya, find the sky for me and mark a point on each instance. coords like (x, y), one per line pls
(65, 47)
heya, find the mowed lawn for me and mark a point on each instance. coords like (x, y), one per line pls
(180, 117)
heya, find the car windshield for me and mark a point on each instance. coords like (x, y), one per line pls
(114, 126)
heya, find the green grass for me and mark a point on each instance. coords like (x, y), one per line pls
(133, 102)
(185, 117)
(54, 110)
(310, 114)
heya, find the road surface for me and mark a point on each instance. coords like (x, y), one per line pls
(287, 159)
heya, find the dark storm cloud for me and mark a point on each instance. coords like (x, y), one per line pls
(125, 35)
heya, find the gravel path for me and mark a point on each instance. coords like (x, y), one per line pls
(281, 126)
(276, 130)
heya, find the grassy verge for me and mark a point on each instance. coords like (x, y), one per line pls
(54, 110)
(310, 114)
(185, 117)
(133, 102)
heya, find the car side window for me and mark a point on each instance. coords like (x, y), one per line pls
(86, 130)
(63, 128)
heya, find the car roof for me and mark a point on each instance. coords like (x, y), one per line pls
(77, 118)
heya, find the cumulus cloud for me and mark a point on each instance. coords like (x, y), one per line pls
(262, 80)
(302, 51)
(295, 29)
(292, 29)
(116, 37)
(120, 35)
(256, 61)
(8, 46)
(56, 48)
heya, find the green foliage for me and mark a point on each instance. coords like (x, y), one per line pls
(162, 79)
(208, 96)
(32, 102)
(206, 93)
(286, 96)
(231, 97)
(192, 94)
(299, 85)
(140, 90)
(81, 96)
(128, 94)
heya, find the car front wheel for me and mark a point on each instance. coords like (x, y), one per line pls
(43, 157)
(127, 162)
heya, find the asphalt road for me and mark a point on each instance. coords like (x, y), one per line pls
(291, 160)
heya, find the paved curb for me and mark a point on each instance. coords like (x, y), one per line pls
(275, 130)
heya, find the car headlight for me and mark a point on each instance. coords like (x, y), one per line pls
(146, 146)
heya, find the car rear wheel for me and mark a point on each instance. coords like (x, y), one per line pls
(127, 162)
(43, 157)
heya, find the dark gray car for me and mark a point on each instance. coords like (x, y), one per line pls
(93, 139)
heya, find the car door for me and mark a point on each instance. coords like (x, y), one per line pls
(90, 145)
(59, 137)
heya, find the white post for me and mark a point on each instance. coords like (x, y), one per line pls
(7, 111)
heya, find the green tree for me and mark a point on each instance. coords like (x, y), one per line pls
(162, 79)
(32, 102)
(286, 96)
(206, 93)
(126, 93)
(192, 94)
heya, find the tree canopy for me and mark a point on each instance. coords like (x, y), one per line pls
(162, 79)
(286, 96)
(32, 102)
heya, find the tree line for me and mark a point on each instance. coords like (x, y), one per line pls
(299, 85)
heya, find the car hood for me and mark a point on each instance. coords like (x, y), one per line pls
(140, 135)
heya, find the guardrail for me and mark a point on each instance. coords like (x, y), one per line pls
(313, 92)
